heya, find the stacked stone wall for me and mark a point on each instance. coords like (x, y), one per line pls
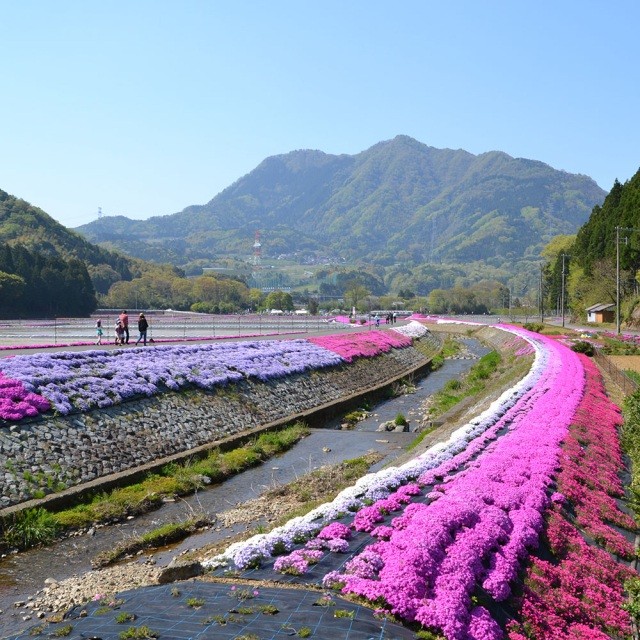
(41, 455)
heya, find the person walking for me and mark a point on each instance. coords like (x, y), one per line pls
(124, 320)
(99, 331)
(143, 325)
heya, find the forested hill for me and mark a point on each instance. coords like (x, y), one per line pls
(596, 240)
(46, 269)
(22, 223)
(399, 201)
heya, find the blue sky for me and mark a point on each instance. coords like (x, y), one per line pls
(144, 107)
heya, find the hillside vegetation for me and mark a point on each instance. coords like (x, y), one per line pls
(591, 256)
(398, 203)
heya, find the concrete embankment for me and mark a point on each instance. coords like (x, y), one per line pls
(105, 447)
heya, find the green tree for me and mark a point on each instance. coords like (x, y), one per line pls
(11, 287)
(279, 300)
(355, 294)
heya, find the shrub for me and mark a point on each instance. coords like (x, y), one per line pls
(582, 346)
(536, 327)
(453, 385)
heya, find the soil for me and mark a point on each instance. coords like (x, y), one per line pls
(626, 362)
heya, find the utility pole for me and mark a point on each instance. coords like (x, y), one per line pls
(541, 295)
(626, 241)
(618, 280)
(564, 255)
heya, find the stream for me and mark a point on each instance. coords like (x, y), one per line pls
(23, 574)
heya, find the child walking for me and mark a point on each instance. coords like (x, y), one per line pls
(99, 331)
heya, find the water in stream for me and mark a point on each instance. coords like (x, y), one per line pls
(23, 574)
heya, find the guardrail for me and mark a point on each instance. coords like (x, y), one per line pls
(627, 384)
(165, 325)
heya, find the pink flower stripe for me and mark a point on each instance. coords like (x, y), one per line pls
(362, 345)
(581, 595)
(488, 516)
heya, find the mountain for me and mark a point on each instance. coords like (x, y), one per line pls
(399, 201)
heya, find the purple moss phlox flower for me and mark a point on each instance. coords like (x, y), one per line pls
(88, 379)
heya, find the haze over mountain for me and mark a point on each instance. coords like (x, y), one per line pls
(399, 201)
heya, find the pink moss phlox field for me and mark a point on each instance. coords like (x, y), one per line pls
(581, 594)
(16, 402)
(362, 345)
(488, 518)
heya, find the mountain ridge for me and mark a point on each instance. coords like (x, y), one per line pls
(399, 200)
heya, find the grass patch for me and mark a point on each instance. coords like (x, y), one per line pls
(29, 528)
(473, 383)
(39, 526)
(154, 539)
(491, 372)
(615, 347)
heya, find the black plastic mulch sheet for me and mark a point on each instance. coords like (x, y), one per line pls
(196, 609)
(329, 562)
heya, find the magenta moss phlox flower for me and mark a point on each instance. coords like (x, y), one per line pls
(489, 515)
(581, 594)
(362, 345)
(16, 402)
(335, 530)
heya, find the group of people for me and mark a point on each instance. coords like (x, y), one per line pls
(122, 329)
(390, 318)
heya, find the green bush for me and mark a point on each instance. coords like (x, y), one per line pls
(537, 327)
(582, 346)
(453, 385)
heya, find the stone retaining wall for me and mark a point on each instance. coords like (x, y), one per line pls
(41, 455)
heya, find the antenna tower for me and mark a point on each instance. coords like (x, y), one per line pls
(257, 250)
(99, 213)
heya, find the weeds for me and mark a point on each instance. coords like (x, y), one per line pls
(138, 633)
(29, 528)
(194, 603)
(123, 617)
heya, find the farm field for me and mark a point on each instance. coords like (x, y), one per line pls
(631, 363)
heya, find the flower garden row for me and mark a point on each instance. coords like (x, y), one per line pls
(448, 535)
(68, 381)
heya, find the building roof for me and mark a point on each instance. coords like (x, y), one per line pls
(603, 306)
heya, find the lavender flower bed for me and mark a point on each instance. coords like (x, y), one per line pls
(85, 380)
(88, 379)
